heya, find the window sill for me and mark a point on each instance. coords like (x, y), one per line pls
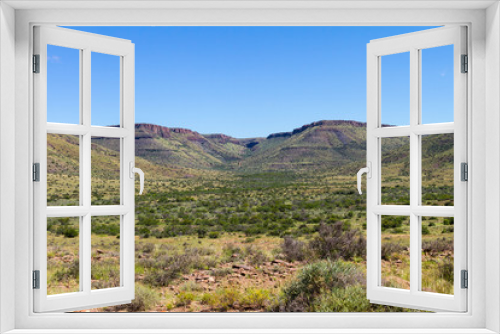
(250, 331)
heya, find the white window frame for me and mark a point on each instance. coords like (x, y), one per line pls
(86, 44)
(483, 100)
(414, 43)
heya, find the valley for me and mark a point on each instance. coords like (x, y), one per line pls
(254, 224)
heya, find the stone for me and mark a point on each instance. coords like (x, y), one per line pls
(241, 266)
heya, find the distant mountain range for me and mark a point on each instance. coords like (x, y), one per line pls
(316, 145)
(319, 145)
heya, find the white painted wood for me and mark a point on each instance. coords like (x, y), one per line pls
(95, 131)
(256, 331)
(86, 43)
(413, 43)
(492, 163)
(471, 322)
(406, 210)
(7, 167)
(246, 4)
(419, 129)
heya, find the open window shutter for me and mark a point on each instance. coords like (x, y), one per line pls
(417, 295)
(108, 288)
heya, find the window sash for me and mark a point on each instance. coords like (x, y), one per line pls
(413, 43)
(86, 297)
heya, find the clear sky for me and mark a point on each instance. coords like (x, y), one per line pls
(249, 81)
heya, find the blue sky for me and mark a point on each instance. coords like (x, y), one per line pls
(249, 81)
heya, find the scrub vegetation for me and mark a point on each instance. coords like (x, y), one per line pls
(261, 224)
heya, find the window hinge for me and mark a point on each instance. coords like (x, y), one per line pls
(36, 63)
(465, 64)
(36, 172)
(464, 171)
(465, 279)
(36, 279)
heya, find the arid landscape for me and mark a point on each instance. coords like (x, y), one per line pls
(271, 224)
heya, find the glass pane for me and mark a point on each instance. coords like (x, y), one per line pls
(63, 248)
(63, 85)
(63, 170)
(437, 254)
(105, 89)
(105, 171)
(395, 170)
(395, 89)
(105, 272)
(395, 252)
(437, 169)
(437, 84)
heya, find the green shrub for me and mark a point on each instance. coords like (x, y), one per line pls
(333, 242)
(316, 279)
(185, 298)
(68, 232)
(425, 230)
(213, 235)
(350, 299)
(389, 248)
(145, 300)
(446, 270)
(294, 250)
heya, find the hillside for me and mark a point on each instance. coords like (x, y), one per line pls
(316, 145)
(173, 152)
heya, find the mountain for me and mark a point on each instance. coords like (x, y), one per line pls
(338, 144)
(316, 145)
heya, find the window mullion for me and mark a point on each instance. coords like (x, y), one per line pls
(86, 174)
(414, 170)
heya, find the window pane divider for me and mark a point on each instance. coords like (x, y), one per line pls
(419, 210)
(81, 130)
(80, 211)
(421, 129)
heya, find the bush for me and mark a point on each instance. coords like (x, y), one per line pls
(213, 235)
(449, 221)
(254, 297)
(220, 272)
(350, 299)
(68, 271)
(184, 298)
(255, 256)
(315, 280)
(333, 242)
(389, 248)
(425, 230)
(446, 270)
(449, 229)
(68, 232)
(294, 250)
(167, 268)
(392, 222)
(145, 300)
(106, 229)
(222, 299)
(436, 246)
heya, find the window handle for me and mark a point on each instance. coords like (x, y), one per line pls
(134, 170)
(368, 171)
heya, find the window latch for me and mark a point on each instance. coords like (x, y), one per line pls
(134, 170)
(368, 171)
